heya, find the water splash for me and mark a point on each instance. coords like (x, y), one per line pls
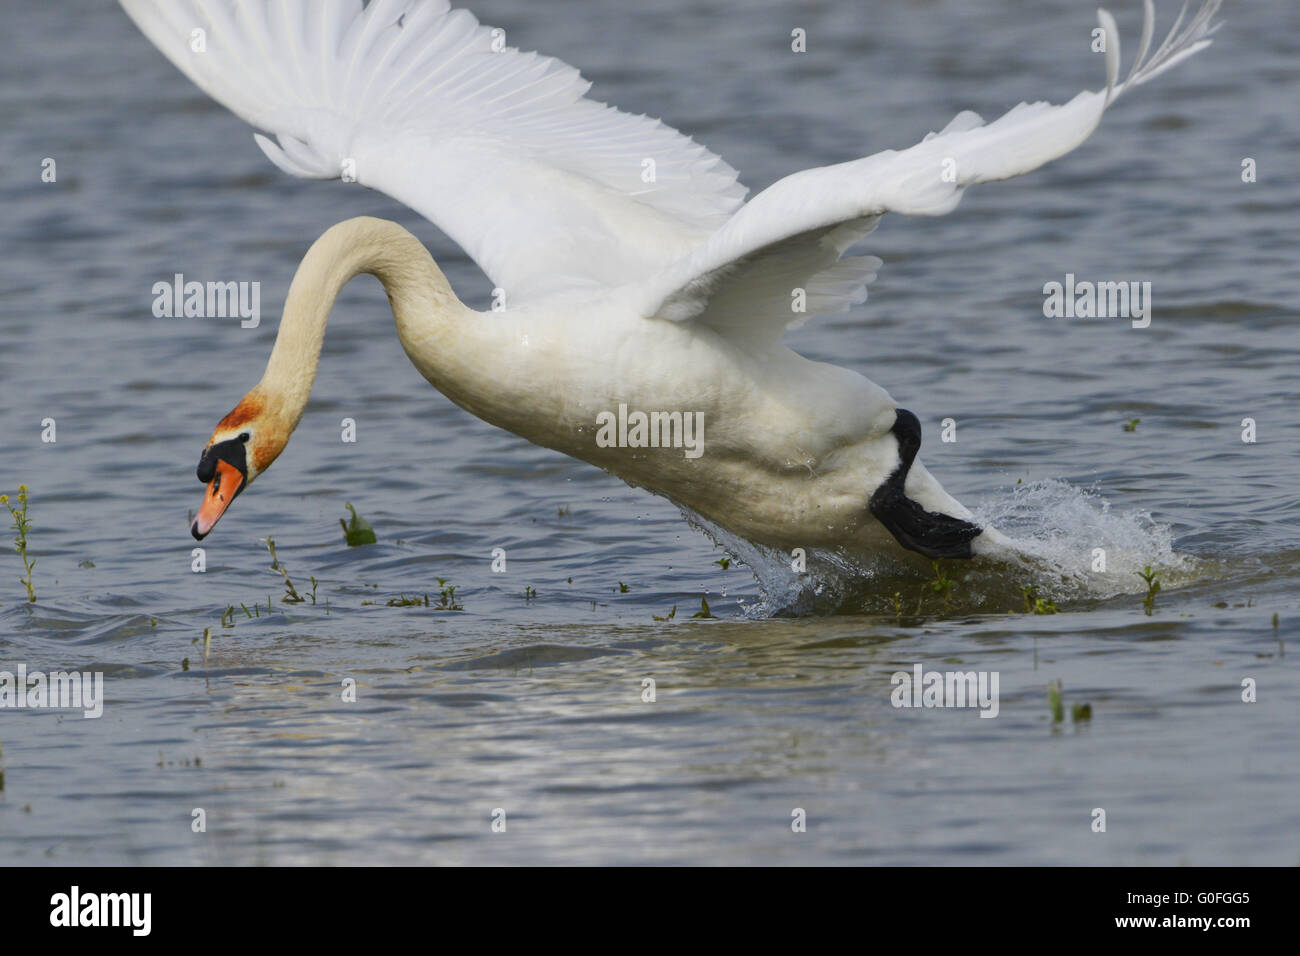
(1097, 549)
(1075, 547)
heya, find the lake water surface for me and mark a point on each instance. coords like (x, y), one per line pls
(533, 704)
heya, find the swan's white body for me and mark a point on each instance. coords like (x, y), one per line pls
(770, 471)
(633, 272)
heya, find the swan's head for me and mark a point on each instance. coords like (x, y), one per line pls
(242, 447)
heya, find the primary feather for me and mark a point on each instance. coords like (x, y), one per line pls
(791, 235)
(546, 190)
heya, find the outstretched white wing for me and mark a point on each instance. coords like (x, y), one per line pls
(546, 190)
(746, 279)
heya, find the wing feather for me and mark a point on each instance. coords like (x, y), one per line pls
(547, 190)
(790, 236)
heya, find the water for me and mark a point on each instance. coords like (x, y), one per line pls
(534, 705)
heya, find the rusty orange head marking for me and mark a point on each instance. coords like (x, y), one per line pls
(250, 408)
(243, 446)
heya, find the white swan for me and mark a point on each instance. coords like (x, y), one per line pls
(624, 296)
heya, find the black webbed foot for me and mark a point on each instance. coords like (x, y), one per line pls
(929, 533)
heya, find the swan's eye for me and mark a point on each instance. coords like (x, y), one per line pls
(245, 436)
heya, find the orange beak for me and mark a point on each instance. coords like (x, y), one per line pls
(227, 482)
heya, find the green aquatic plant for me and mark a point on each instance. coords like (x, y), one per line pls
(357, 531)
(704, 611)
(941, 584)
(622, 588)
(291, 595)
(940, 587)
(22, 525)
(1132, 424)
(723, 563)
(404, 601)
(447, 597)
(1153, 587)
(1054, 702)
(667, 617)
(1035, 604)
(530, 593)
(228, 616)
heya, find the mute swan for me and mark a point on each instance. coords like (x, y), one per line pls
(666, 295)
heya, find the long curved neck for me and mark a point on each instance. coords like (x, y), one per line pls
(430, 319)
